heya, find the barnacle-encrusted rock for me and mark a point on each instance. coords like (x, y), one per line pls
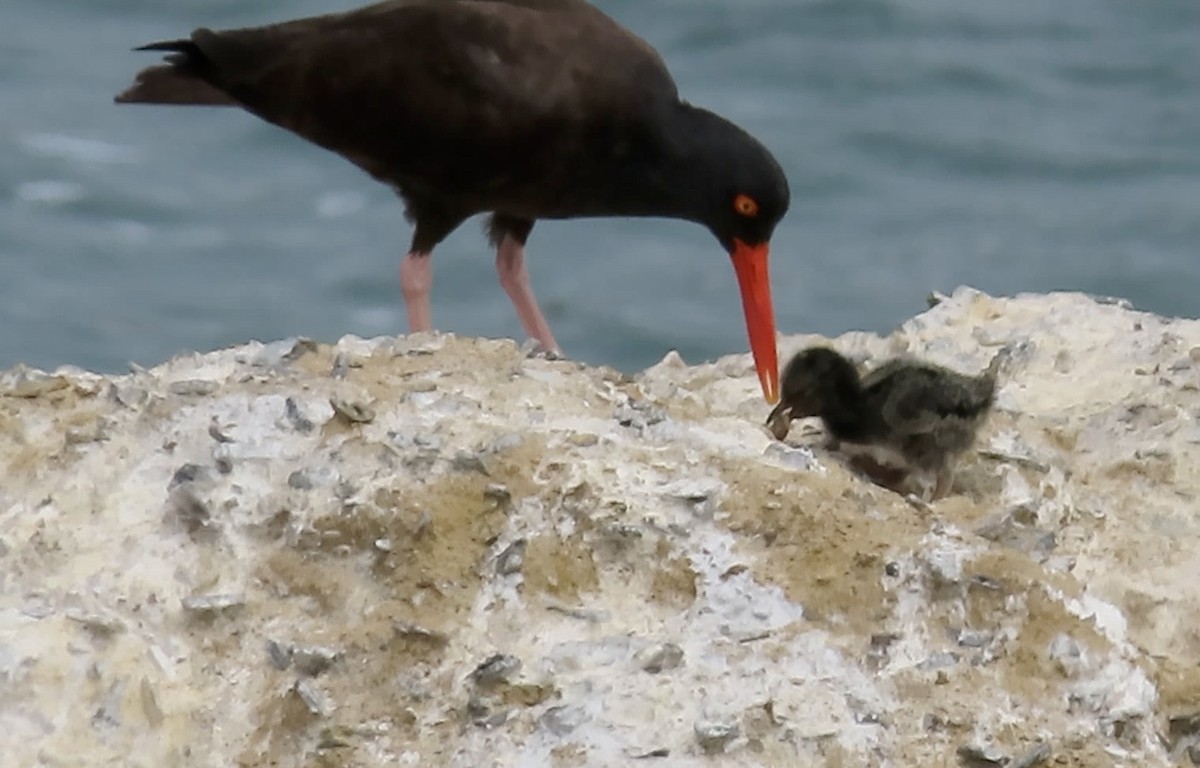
(233, 559)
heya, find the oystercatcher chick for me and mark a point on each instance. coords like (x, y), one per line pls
(903, 417)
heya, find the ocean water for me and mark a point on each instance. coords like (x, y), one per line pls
(1022, 145)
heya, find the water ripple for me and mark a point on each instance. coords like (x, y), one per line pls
(77, 149)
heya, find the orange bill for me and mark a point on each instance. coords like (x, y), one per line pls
(750, 263)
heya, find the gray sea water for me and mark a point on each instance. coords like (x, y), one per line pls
(1014, 145)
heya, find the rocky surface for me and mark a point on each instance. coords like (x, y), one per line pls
(434, 551)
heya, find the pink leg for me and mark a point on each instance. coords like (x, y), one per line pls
(510, 266)
(416, 279)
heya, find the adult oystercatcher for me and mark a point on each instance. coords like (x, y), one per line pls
(524, 109)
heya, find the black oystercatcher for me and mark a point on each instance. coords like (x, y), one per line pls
(904, 415)
(526, 109)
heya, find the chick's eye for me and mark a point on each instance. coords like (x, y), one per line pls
(745, 205)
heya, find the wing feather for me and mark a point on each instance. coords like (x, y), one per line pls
(492, 79)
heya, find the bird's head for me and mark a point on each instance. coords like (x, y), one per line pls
(743, 194)
(817, 381)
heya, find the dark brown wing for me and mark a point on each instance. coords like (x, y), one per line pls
(477, 96)
(917, 398)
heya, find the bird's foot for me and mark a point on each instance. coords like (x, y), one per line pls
(514, 278)
(943, 484)
(918, 502)
(533, 348)
(893, 478)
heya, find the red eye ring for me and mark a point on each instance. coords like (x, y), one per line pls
(745, 205)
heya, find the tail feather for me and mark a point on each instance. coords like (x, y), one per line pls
(179, 81)
(183, 46)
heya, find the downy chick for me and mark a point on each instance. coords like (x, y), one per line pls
(905, 415)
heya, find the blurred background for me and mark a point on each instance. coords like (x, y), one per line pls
(1013, 146)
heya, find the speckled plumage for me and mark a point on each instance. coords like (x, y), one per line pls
(906, 412)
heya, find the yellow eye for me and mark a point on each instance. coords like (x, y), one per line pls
(745, 205)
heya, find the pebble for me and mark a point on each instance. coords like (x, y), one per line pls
(277, 352)
(216, 430)
(298, 420)
(422, 385)
(495, 669)
(279, 656)
(789, 457)
(192, 387)
(188, 473)
(312, 660)
(939, 660)
(129, 395)
(468, 462)
(715, 736)
(512, 559)
(222, 458)
(946, 564)
(561, 720)
(593, 616)
(210, 605)
(970, 638)
(312, 697)
(497, 492)
(638, 416)
(975, 756)
(1004, 528)
(98, 624)
(300, 481)
(409, 631)
(342, 363)
(353, 412)
(660, 657)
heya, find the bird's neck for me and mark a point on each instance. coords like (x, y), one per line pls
(845, 412)
(694, 144)
(850, 425)
(669, 169)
